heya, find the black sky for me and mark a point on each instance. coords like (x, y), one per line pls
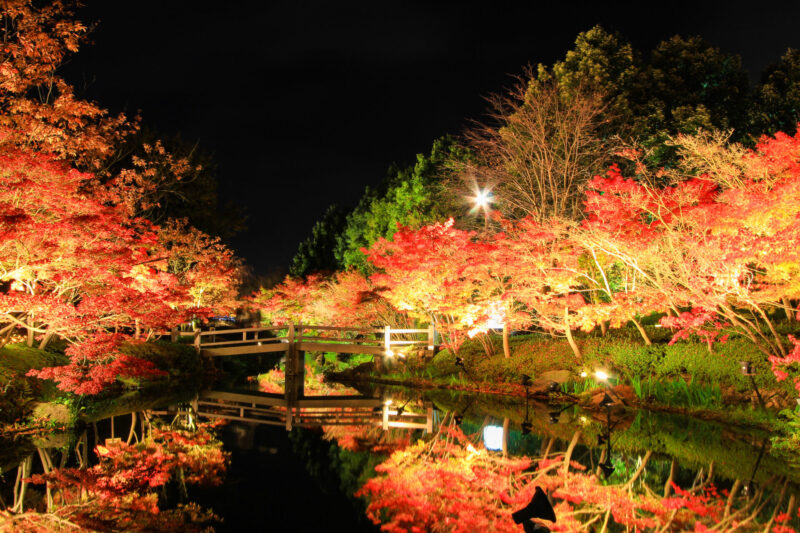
(304, 103)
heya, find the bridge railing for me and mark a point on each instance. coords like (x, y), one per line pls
(242, 340)
(381, 341)
(368, 340)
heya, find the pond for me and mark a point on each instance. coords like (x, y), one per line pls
(447, 461)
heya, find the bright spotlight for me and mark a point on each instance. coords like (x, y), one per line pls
(493, 437)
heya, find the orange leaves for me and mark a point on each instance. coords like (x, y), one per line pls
(119, 493)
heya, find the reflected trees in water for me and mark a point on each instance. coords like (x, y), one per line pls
(128, 487)
(452, 483)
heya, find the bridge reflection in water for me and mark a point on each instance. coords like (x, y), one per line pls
(308, 411)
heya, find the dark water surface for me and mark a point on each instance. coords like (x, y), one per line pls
(296, 480)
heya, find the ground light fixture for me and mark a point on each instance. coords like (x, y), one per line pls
(602, 375)
(459, 362)
(402, 408)
(555, 416)
(747, 370)
(553, 386)
(607, 401)
(538, 507)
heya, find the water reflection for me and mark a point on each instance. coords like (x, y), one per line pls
(603, 469)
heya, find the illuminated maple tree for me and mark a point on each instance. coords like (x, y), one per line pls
(437, 274)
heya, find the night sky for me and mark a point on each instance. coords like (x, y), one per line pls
(305, 103)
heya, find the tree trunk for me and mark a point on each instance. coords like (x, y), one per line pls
(668, 485)
(639, 470)
(46, 339)
(30, 330)
(568, 456)
(731, 495)
(568, 332)
(6, 333)
(506, 349)
(138, 329)
(598, 471)
(603, 328)
(789, 309)
(642, 331)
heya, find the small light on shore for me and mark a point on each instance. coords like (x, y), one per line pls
(601, 375)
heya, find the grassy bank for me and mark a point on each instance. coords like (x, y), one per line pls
(683, 377)
(21, 394)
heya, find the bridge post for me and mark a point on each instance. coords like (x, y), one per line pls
(173, 335)
(197, 340)
(431, 337)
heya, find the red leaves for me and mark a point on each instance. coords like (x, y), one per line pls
(119, 492)
(698, 321)
(790, 363)
(95, 365)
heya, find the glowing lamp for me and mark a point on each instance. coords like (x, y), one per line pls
(493, 437)
(601, 375)
(482, 198)
(747, 368)
(584, 374)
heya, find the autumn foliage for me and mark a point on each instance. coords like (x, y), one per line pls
(121, 492)
(78, 261)
(710, 244)
(451, 484)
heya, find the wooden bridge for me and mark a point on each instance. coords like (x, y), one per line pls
(381, 342)
(293, 407)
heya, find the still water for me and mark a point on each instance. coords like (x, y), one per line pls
(296, 462)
